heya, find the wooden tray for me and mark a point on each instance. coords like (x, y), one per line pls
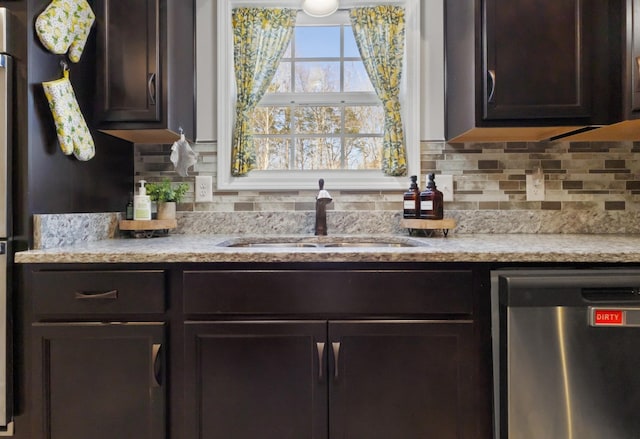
(148, 228)
(428, 226)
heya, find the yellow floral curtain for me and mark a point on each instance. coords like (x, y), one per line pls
(380, 33)
(260, 37)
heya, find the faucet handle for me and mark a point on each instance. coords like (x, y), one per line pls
(322, 194)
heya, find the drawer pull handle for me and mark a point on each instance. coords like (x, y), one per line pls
(155, 364)
(336, 354)
(320, 348)
(106, 295)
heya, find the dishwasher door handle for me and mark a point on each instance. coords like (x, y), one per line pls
(611, 294)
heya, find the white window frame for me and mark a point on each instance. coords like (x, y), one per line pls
(302, 180)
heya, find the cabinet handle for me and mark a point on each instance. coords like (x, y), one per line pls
(638, 72)
(155, 364)
(492, 77)
(320, 348)
(107, 295)
(336, 354)
(151, 88)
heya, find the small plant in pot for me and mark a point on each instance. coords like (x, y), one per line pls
(166, 195)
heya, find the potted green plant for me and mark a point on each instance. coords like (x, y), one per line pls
(166, 195)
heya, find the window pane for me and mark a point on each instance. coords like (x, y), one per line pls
(317, 153)
(333, 135)
(271, 120)
(317, 120)
(363, 153)
(350, 46)
(317, 77)
(281, 82)
(367, 119)
(287, 52)
(356, 77)
(317, 41)
(272, 153)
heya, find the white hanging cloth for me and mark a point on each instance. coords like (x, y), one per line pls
(182, 156)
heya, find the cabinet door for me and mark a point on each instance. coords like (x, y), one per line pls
(535, 60)
(248, 380)
(128, 61)
(98, 381)
(401, 379)
(633, 21)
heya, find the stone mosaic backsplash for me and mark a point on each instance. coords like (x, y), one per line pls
(589, 188)
(579, 176)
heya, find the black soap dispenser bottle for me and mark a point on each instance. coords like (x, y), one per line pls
(412, 200)
(431, 204)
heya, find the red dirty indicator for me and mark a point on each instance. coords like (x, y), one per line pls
(607, 317)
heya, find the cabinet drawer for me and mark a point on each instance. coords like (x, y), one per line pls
(98, 292)
(328, 292)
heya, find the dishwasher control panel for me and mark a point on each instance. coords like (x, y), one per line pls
(613, 316)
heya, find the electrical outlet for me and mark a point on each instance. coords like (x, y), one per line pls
(204, 188)
(535, 186)
(444, 183)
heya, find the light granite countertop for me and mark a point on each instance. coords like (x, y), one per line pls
(503, 248)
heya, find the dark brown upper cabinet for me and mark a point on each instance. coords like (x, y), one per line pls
(534, 61)
(629, 101)
(531, 70)
(129, 61)
(145, 69)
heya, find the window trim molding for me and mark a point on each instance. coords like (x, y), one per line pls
(302, 180)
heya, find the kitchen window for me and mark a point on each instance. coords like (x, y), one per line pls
(321, 111)
(320, 118)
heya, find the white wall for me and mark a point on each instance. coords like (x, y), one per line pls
(206, 75)
(432, 70)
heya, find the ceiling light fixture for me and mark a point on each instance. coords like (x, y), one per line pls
(319, 8)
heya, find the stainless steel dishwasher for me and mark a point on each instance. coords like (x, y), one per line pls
(566, 353)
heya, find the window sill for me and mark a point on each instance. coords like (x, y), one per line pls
(308, 180)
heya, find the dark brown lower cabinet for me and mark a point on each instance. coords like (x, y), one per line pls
(401, 379)
(374, 379)
(251, 380)
(292, 353)
(98, 381)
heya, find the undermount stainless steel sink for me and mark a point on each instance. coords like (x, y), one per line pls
(368, 244)
(319, 242)
(271, 244)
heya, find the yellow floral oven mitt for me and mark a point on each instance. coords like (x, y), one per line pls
(65, 25)
(72, 130)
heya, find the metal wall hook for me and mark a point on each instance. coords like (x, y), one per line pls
(64, 66)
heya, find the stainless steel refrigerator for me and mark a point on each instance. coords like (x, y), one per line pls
(6, 146)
